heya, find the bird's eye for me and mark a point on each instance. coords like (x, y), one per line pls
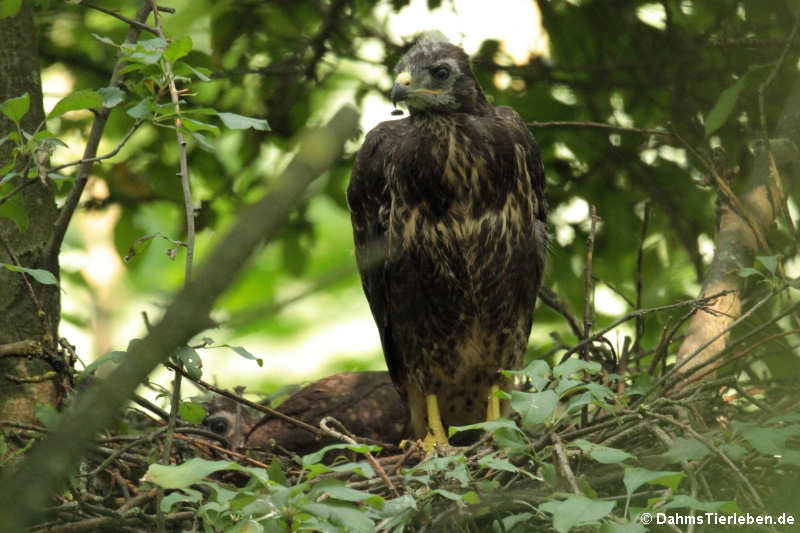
(218, 426)
(440, 73)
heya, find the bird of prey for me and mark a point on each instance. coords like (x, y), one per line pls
(449, 215)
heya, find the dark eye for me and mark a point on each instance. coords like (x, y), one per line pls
(441, 72)
(218, 425)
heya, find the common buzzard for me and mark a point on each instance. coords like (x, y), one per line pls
(449, 217)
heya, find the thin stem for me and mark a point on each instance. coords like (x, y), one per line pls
(130, 22)
(110, 154)
(184, 164)
(596, 125)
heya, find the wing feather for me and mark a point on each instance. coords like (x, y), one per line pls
(369, 201)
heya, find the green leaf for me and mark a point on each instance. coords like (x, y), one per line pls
(112, 96)
(201, 73)
(104, 40)
(534, 407)
(734, 451)
(344, 517)
(770, 262)
(636, 477)
(491, 426)
(189, 473)
(143, 110)
(510, 522)
(184, 496)
(576, 510)
(16, 108)
(204, 143)
(686, 449)
(603, 454)
(47, 415)
(240, 122)
(83, 99)
(316, 457)
(177, 49)
(686, 501)
(470, 497)
(538, 371)
(191, 361)
(746, 272)
(192, 412)
(335, 488)
(573, 365)
(42, 276)
(113, 357)
(147, 52)
(247, 355)
(276, 473)
(726, 102)
(195, 125)
(497, 463)
(9, 8)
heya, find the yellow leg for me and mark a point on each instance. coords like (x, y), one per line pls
(436, 435)
(493, 406)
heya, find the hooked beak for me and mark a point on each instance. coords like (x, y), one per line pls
(401, 87)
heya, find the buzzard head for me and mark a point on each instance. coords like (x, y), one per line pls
(434, 76)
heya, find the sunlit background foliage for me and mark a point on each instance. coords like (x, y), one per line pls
(630, 63)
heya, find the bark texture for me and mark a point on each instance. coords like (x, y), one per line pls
(21, 317)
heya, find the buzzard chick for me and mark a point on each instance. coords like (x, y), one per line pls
(449, 215)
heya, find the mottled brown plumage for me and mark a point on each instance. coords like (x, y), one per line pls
(366, 403)
(449, 209)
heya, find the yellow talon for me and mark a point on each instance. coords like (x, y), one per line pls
(436, 435)
(493, 406)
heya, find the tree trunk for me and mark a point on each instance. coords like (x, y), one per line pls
(29, 311)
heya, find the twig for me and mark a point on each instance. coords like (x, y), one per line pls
(697, 302)
(123, 18)
(622, 368)
(237, 455)
(150, 406)
(596, 125)
(743, 353)
(21, 348)
(175, 403)
(664, 383)
(106, 522)
(558, 446)
(555, 302)
(109, 155)
(588, 287)
(184, 164)
(347, 438)
(639, 261)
